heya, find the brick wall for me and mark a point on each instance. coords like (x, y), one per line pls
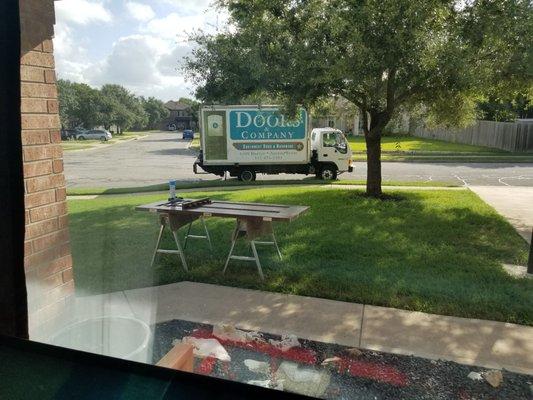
(48, 262)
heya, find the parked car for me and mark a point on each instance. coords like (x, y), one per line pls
(172, 127)
(188, 134)
(68, 134)
(71, 134)
(94, 134)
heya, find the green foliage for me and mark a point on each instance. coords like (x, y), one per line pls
(195, 106)
(126, 109)
(113, 105)
(79, 105)
(381, 55)
(155, 111)
(505, 109)
(377, 54)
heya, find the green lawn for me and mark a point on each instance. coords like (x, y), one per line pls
(195, 143)
(404, 143)
(69, 145)
(411, 148)
(432, 251)
(235, 182)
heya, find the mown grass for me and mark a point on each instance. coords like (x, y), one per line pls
(404, 148)
(405, 143)
(195, 143)
(432, 251)
(69, 145)
(235, 182)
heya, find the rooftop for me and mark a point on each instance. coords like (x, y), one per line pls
(176, 106)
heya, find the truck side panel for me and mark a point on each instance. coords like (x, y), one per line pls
(253, 136)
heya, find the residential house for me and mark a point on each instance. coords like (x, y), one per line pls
(181, 116)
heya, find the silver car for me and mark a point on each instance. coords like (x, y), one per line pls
(95, 134)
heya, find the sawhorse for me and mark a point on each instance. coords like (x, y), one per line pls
(175, 222)
(251, 229)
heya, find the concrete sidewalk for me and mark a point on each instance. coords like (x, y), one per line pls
(514, 203)
(469, 341)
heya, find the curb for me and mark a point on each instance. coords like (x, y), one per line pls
(242, 187)
(107, 146)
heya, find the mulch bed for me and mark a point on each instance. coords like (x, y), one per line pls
(348, 374)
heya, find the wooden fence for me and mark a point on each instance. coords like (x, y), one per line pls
(510, 136)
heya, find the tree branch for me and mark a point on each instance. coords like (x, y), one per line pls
(391, 89)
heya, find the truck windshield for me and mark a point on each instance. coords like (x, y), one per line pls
(335, 139)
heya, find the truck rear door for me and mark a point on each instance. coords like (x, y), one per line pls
(215, 139)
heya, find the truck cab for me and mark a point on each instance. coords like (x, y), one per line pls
(331, 153)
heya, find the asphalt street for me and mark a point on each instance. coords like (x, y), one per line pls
(162, 156)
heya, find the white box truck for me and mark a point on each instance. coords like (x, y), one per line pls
(246, 140)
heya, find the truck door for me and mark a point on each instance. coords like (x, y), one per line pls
(335, 149)
(327, 151)
(215, 140)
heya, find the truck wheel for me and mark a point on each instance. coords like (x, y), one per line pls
(328, 173)
(247, 175)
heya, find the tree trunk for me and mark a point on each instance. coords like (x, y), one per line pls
(373, 164)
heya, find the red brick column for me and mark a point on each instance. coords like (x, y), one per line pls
(48, 262)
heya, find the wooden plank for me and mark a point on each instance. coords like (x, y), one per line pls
(255, 204)
(180, 357)
(275, 212)
(245, 206)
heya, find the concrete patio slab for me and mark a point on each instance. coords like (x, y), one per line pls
(477, 342)
(467, 341)
(276, 313)
(514, 203)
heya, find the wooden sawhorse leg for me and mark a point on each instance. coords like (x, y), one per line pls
(206, 236)
(163, 220)
(251, 228)
(273, 243)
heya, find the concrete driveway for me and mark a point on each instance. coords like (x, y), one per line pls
(514, 203)
(160, 157)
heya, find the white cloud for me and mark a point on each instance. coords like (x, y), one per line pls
(145, 64)
(71, 57)
(147, 57)
(188, 7)
(130, 63)
(82, 12)
(169, 64)
(139, 11)
(174, 26)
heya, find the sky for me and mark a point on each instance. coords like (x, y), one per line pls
(138, 44)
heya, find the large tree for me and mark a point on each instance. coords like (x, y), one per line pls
(381, 55)
(155, 110)
(79, 105)
(125, 109)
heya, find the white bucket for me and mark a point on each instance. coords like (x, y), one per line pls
(120, 337)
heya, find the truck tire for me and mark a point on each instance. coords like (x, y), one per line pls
(328, 173)
(247, 175)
